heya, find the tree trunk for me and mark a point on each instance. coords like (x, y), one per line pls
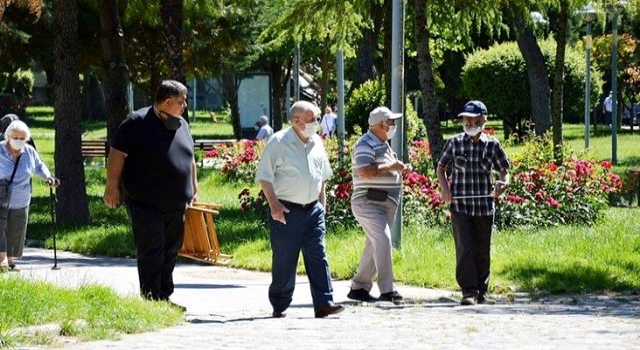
(115, 70)
(325, 68)
(277, 84)
(171, 14)
(72, 205)
(558, 78)
(93, 104)
(427, 82)
(366, 69)
(537, 72)
(230, 86)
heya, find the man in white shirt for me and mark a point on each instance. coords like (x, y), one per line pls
(292, 172)
(265, 130)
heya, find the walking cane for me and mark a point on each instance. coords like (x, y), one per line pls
(52, 205)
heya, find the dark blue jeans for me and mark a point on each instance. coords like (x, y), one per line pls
(472, 235)
(158, 236)
(304, 231)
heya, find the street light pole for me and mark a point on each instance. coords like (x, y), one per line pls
(397, 101)
(614, 8)
(589, 16)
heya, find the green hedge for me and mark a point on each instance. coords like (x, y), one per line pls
(498, 77)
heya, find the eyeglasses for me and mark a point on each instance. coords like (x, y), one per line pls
(390, 122)
(19, 138)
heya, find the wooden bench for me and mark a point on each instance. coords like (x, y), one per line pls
(631, 185)
(208, 145)
(200, 235)
(95, 148)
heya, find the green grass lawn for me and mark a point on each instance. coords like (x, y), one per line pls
(563, 259)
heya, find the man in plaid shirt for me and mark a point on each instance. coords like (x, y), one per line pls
(469, 158)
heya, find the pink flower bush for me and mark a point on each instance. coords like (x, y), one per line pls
(542, 192)
(237, 161)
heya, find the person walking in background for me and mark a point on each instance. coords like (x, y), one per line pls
(470, 158)
(265, 131)
(328, 123)
(293, 172)
(607, 108)
(151, 156)
(18, 163)
(377, 185)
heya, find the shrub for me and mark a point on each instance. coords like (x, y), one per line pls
(237, 161)
(369, 96)
(543, 193)
(498, 77)
(362, 101)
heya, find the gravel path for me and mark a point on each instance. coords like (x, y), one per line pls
(229, 308)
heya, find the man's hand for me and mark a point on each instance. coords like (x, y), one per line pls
(498, 188)
(277, 212)
(111, 196)
(446, 195)
(398, 166)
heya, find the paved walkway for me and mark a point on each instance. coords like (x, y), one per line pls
(228, 308)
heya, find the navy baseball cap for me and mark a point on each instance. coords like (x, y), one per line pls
(473, 109)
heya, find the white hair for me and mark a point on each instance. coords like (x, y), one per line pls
(17, 125)
(301, 107)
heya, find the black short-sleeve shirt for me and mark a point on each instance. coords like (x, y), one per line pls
(158, 167)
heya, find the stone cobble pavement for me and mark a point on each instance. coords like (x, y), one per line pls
(228, 308)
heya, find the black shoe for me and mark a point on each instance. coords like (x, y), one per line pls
(483, 299)
(393, 297)
(329, 309)
(361, 295)
(279, 314)
(468, 301)
(177, 306)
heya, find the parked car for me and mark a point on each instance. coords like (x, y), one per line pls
(10, 104)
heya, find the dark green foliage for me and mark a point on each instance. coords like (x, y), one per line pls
(369, 96)
(19, 83)
(498, 77)
(362, 101)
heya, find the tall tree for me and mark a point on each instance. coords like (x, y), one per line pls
(453, 22)
(537, 72)
(115, 70)
(171, 14)
(73, 206)
(427, 81)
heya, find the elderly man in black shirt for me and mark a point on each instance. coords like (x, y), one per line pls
(151, 156)
(471, 157)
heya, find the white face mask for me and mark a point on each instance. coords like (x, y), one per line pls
(309, 129)
(17, 144)
(473, 130)
(391, 132)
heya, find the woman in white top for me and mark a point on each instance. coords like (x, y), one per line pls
(328, 122)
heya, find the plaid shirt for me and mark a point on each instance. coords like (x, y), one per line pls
(470, 165)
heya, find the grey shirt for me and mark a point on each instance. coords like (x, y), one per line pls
(369, 150)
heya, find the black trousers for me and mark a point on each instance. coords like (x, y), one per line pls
(158, 236)
(472, 235)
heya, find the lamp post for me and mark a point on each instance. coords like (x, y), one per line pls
(614, 8)
(589, 15)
